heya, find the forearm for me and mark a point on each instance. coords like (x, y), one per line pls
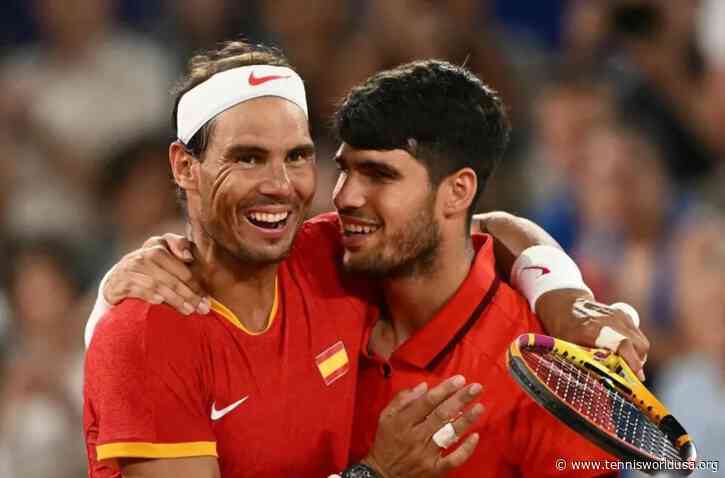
(546, 276)
(517, 233)
(554, 309)
(534, 264)
(512, 236)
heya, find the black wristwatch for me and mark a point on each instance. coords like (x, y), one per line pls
(358, 470)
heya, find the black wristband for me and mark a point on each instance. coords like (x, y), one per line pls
(358, 470)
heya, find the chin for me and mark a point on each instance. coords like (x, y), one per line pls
(275, 255)
(364, 266)
(264, 255)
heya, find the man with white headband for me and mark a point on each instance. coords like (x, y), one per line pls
(327, 238)
(264, 384)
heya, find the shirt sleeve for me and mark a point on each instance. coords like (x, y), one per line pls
(145, 386)
(547, 447)
(100, 308)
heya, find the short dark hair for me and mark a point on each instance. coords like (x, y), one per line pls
(204, 65)
(440, 113)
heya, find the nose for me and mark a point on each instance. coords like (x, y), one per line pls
(347, 193)
(276, 181)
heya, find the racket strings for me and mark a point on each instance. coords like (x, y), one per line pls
(608, 409)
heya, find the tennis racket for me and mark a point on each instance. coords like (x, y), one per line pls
(594, 392)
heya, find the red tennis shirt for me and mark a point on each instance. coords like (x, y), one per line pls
(470, 336)
(278, 403)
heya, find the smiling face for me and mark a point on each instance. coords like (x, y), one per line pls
(387, 209)
(250, 192)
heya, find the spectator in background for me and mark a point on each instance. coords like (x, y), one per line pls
(564, 114)
(321, 39)
(693, 382)
(86, 89)
(585, 31)
(41, 397)
(714, 122)
(461, 31)
(136, 197)
(628, 211)
(187, 26)
(711, 35)
(657, 73)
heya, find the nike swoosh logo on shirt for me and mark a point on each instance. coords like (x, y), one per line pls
(217, 414)
(255, 80)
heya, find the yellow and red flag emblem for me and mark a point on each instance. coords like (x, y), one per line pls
(333, 363)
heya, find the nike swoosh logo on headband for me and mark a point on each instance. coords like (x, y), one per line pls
(258, 80)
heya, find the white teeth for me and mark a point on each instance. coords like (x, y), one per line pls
(267, 217)
(360, 229)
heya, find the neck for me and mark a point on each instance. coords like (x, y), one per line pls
(244, 287)
(413, 301)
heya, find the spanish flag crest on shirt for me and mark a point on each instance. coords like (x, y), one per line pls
(333, 363)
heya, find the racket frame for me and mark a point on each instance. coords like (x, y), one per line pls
(616, 370)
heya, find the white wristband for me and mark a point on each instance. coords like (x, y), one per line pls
(541, 269)
(99, 309)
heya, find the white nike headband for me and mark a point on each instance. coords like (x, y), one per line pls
(231, 87)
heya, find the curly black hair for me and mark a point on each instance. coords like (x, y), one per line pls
(440, 113)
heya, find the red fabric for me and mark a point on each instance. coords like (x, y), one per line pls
(153, 375)
(517, 437)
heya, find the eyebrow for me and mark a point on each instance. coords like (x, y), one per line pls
(368, 165)
(305, 148)
(238, 149)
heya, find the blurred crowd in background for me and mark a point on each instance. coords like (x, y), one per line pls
(618, 109)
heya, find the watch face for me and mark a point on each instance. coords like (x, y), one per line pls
(359, 471)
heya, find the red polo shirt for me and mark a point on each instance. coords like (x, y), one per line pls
(269, 404)
(470, 336)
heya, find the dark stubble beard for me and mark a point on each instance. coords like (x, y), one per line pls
(416, 247)
(239, 251)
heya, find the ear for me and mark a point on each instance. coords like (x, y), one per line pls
(459, 189)
(183, 166)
